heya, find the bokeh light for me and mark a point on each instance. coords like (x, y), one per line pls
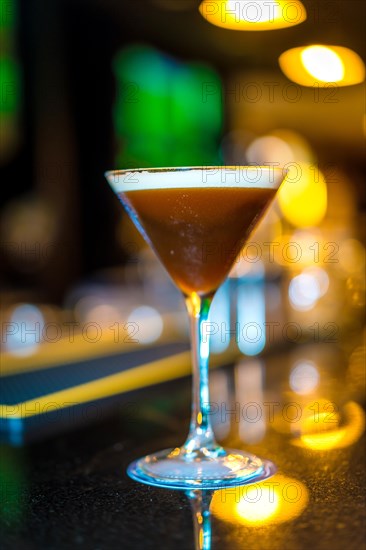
(319, 63)
(326, 428)
(219, 318)
(245, 15)
(257, 514)
(280, 147)
(274, 501)
(271, 148)
(304, 377)
(323, 63)
(351, 256)
(24, 330)
(251, 310)
(249, 376)
(301, 249)
(304, 291)
(149, 324)
(97, 308)
(303, 195)
(321, 276)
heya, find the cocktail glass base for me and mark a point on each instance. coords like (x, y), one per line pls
(177, 469)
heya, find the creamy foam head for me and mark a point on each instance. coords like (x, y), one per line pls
(265, 177)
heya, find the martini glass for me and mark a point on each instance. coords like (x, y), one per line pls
(197, 220)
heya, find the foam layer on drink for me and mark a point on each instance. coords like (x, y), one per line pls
(259, 177)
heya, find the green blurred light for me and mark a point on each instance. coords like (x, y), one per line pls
(193, 110)
(8, 14)
(9, 85)
(163, 114)
(12, 485)
(142, 90)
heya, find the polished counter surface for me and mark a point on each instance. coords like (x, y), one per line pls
(70, 489)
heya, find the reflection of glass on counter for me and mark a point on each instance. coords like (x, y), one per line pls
(307, 395)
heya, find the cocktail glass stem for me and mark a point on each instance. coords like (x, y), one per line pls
(201, 439)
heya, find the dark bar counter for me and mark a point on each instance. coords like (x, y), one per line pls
(70, 489)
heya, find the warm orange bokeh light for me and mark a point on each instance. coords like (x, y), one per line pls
(324, 430)
(303, 195)
(269, 502)
(322, 64)
(246, 15)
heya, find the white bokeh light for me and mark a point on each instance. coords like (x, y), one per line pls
(304, 291)
(304, 377)
(26, 324)
(150, 324)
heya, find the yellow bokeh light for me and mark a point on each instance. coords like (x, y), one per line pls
(319, 417)
(301, 249)
(322, 64)
(269, 502)
(324, 431)
(249, 510)
(324, 441)
(303, 196)
(272, 10)
(257, 15)
(352, 256)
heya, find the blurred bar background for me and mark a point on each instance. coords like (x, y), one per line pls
(88, 86)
